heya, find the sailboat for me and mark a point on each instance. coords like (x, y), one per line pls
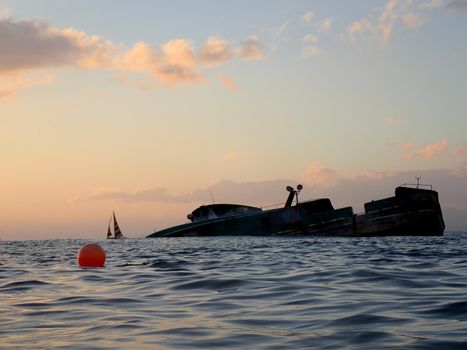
(117, 232)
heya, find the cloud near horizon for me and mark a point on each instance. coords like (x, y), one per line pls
(222, 190)
(344, 191)
(429, 151)
(11, 83)
(458, 152)
(44, 47)
(318, 175)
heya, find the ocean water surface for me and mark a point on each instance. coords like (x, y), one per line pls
(237, 293)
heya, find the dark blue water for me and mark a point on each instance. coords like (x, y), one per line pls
(241, 293)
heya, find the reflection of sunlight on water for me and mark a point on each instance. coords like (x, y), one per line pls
(236, 292)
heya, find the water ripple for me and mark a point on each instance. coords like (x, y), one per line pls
(237, 293)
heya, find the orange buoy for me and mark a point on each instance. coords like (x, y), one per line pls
(91, 255)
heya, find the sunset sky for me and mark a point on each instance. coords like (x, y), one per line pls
(149, 107)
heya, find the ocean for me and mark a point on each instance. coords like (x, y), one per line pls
(237, 293)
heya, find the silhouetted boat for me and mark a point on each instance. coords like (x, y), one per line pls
(412, 211)
(117, 232)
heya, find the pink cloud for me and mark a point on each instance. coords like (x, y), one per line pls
(44, 47)
(230, 156)
(5, 93)
(251, 49)
(144, 206)
(179, 52)
(412, 20)
(311, 51)
(227, 82)
(318, 175)
(458, 152)
(360, 26)
(393, 121)
(429, 151)
(310, 47)
(140, 58)
(175, 64)
(375, 175)
(12, 82)
(154, 194)
(215, 51)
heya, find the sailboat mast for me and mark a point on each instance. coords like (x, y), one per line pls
(109, 232)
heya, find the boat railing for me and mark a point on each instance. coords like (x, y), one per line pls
(417, 185)
(281, 205)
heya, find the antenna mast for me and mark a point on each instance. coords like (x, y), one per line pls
(212, 197)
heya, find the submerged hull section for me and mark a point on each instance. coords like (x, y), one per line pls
(410, 212)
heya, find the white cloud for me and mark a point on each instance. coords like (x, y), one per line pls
(307, 17)
(277, 36)
(310, 49)
(5, 13)
(310, 39)
(325, 25)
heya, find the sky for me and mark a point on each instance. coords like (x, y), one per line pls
(152, 108)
